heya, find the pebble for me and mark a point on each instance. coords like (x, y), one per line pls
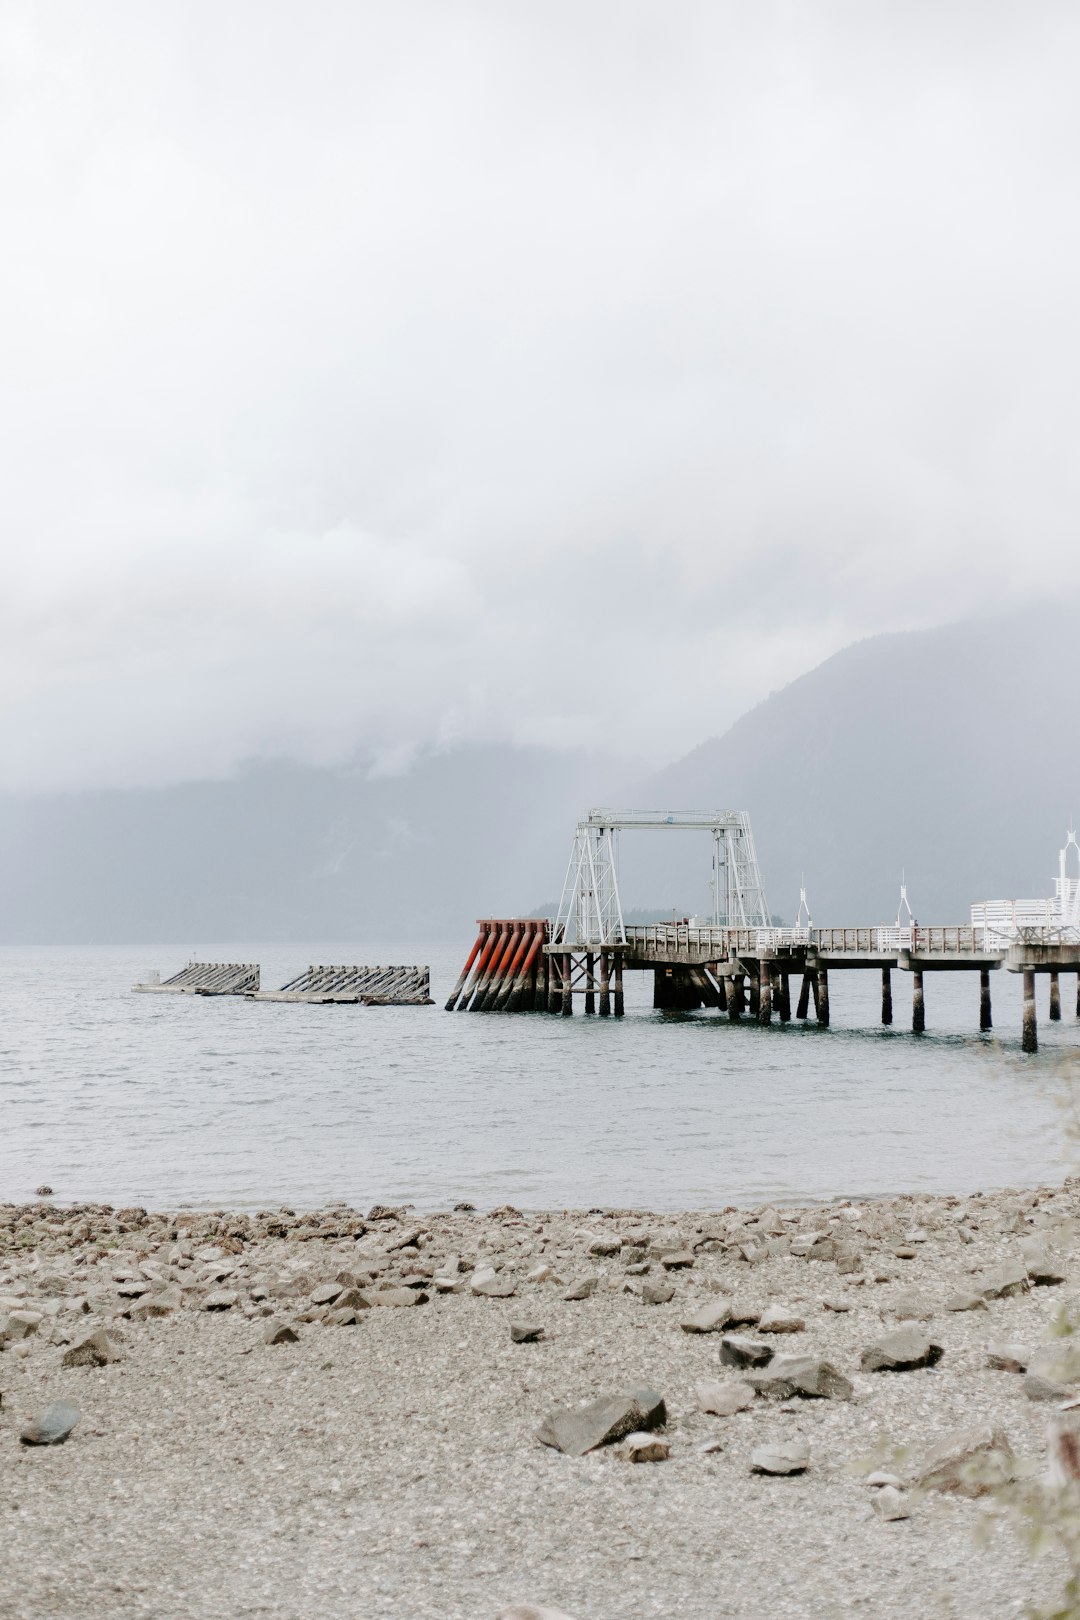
(967, 1462)
(643, 1448)
(223, 1299)
(279, 1333)
(525, 1332)
(723, 1397)
(737, 1351)
(709, 1319)
(658, 1293)
(889, 1504)
(901, 1351)
(790, 1376)
(584, 1288)
(52, 1427)
(779, 1320)
(791, 1457)
(96, 1350)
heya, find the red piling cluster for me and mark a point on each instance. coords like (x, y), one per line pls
(508, 968)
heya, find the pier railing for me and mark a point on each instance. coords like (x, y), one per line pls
(721, 943)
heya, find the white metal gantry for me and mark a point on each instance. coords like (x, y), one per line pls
(590, 910)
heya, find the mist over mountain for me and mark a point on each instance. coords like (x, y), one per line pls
(949, 754)
(287, 852)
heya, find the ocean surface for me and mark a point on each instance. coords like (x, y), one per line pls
(167, 1101)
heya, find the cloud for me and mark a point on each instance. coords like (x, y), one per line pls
(372, 378)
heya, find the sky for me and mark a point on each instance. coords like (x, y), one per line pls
(380, 378)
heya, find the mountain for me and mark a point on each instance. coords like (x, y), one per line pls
(947, 754)
(285, 852)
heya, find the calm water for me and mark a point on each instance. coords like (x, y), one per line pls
(171, 1100)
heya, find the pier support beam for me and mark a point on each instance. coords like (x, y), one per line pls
(1078, 995)
(886, 995)
(803, 1008)
(620, 1006)
(590, 980)
(765, 987)
(755, 992)
(605, 985)
(722, 990)
(783, 1000)
(822, 982)
(1029, 1040)
(567, 990)
(554, 989)
(1055, 998)
(736, 1000)
(986, 1020)
(918, 1003)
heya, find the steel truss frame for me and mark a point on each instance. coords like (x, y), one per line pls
(590, 915)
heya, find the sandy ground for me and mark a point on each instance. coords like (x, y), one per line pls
(389, 1467)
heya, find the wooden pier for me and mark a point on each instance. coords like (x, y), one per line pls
(747, 972)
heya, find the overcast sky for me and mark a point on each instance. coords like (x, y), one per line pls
(378, 376)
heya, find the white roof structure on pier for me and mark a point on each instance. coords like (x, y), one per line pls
(1056, 919)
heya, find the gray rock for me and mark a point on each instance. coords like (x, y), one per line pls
(1007, 1358)
(723, 1398)
(807, 1376)
(658, 1293)
(1004, 1281)
(1039, 1388)
(96, 1350)
(22, 1324)
(603, 1247)
(279, 1333)
(680, 1260)
(967, 1462)
(341, 1316)
(737, 1351)
(495, 1287)
(965, 1301)
(394, 1298)
(327, 1294)
(52, 1427)
(525, 1332)
(222, 1299)
(779, 1320)
(901, 1351)
(584, 1288)
(788, 1457)
(889, 1504)
(578, 1429)
(910, 1307)
(1040, 1268)
(709, 1319)
(162, 1303)
(642, 1448)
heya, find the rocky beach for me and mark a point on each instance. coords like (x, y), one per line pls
(606, 1413)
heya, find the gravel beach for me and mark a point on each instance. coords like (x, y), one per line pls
(337, 1414)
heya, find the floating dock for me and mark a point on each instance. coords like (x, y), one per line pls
(368, 986)
(207, 979)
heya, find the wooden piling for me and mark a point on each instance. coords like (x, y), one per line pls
(886, 995)
(783, 999)
(1055, 997)
(1078, 995)
(554, 988)
(986, 1020)
(736, 998)
(1029, 1040)
(722, 990)
(755, 991)
(765, 990)
(590, 980)
(803, 1008)
(605, 985)
(618, 986)
(918, 1003)
(567, 988)
(822, 978)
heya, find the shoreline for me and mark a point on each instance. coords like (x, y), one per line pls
(381, 1460)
